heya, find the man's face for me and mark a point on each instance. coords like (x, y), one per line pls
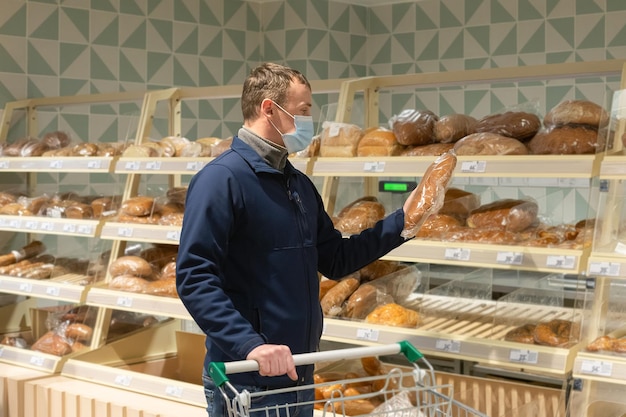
(299, 99)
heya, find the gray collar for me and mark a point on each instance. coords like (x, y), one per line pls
(275, 155)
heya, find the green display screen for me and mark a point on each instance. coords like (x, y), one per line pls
(396, 186)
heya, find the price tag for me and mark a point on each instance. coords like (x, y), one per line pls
(156, 165)
(55, 213)
(194, 166)
(26, 287)
(510, 258)
(4, 164)
(457, 254)
(37, 360)
(31, 225)
(85, 229)
(15, 223)
(46, 226)
(4, 222)
(54, 291)
(594, 367)
(174, 391)
(473, 166)
(173, 235)
(125, 231)
(123, 380)
(367, 334)
(523, 356)
(561, 261)
(1, 351)
(374, 167)
(56, 164)
(69, 228)
(453, 346)
(132, 165)
(125, 301)
(620, 248)
(97, 164)
(607, 269)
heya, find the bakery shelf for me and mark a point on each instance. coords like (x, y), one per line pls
(63, 288)
(161, 352)
(141, 232)
(31, 359)
(598, 367)
(51, 225)
(559, 260)
(177, 165)
(606, 266)
(57, 164)
(100, 296)
(512, 166)
(613, 167)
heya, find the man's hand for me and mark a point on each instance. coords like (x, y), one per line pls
(274, 360)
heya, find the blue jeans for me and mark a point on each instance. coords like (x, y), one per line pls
(216, 406)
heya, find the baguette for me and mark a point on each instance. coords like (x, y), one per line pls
(428, 198)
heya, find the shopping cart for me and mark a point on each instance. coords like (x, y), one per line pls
(399, 392)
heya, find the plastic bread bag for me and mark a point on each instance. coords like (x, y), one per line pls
(414, 127)
(429, 195)
(339, 139)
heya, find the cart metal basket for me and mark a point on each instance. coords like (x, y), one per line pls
(401, 392)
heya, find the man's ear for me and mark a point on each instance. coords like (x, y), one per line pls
(266, 107)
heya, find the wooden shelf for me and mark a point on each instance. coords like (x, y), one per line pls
(62, 288)
(141, 232)
(56, 164)
(100, 296)
(50, 225)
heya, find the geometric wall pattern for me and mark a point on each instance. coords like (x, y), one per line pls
(70, 47)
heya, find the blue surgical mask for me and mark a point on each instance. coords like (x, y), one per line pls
(301, 138)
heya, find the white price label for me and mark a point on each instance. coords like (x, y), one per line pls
(31, 224)
(593, 367)
(453, 346)
(367, 334)
(4, 164)
(69, 228)
(173, 235)
(607, 269)
(457, 254)
(174, 391)
(473, 166)
(523, 356)
(56, 164)
(510, 258)
(132, 165)
(85, 229)
(46, 226)
(26, 287)
(125, 301)
(194, 166)
(4, 222)
(125, 231)
(620, 248)
(123, 380)
(374, 167)
(97, 164)
(1, 351)
(54, 291)
(15, 223)
(37, 360)
(561, 261)
(156, 165)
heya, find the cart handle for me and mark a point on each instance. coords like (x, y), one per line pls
(219, 370)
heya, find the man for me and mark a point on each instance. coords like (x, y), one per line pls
(255, 235)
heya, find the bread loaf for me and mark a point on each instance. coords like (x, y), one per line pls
(78, 331)
(432, 149)
(378, 142)
(359, 215)
(393, 314)
(513, 124)
(576, 112)
(130, 265)
(221, 147)
(332, 303)
(137, 206)
(52, 343)
(128, 283)
(452, 127)
(361, 302)
(508, 214)
(325, 285)
(428, 197)
(487, 143)
(414, 127)
(79, 211)
(566, 140)
(339, 139)
(437, 226)
(459, 203)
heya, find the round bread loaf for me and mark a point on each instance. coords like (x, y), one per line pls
(513, 124)
(128, 283)
(359, 215)
(452, 127)
(576, 112)
(566, 140)
(393, 314)
(414, 127)
(433, 149)
(137, 206)
(378, 142)
(130, 265)
(556, 332)
(487, 143)
(459, 203)
(509, 214)
(438, 226)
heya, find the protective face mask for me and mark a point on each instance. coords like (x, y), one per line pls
(301, 138)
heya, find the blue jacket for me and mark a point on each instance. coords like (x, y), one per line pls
(252, 242)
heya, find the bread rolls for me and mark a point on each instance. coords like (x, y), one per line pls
(488, 143)
(429, 195)
(509, 214)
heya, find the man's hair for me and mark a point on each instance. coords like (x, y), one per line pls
(271, 81)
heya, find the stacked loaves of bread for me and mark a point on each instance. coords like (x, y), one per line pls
(152, 271)
(167, 210)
